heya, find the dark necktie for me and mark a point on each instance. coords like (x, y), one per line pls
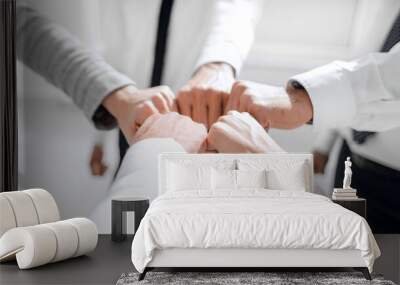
(393, 38)
(160, 49)
(161, 42)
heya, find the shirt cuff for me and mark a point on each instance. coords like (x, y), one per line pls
(224, 52)
(324, 141)
(102, 86)
(331, 95)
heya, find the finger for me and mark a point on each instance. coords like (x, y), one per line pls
(222, 119)
(184, 103)
(160, 103)
(200, 110)
(233, 103)
(146, 127)
(146, 110)
(219, 137)
(203, 147)
(243, 103)
(229, 104)
(225, 100)
(175, 106)
(215, 108)
(168, 96)
(211, 137)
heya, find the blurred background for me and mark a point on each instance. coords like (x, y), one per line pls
(56, 140)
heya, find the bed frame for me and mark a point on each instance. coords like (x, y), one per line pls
(246, 259)
(234, 259)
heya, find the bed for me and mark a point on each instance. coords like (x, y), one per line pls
(247, 211)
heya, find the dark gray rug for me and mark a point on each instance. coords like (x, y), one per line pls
(269, 278)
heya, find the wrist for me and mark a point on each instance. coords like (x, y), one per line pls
(118, 101)
(301, 100)
(218, 67)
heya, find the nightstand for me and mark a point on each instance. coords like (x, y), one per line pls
(119, 208)
(357, 205)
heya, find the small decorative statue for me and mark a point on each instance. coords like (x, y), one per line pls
(347, 174)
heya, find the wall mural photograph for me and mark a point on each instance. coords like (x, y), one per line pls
(179, 142)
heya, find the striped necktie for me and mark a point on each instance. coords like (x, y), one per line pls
(393, 38)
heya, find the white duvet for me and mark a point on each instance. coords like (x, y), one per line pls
(250, 219)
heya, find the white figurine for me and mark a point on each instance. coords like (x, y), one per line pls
(347, 174)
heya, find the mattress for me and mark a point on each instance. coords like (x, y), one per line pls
(251, 219)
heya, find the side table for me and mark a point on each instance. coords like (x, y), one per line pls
(357, 205)
(119, 207)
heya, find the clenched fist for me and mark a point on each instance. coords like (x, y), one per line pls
(204, 96)
(271, 106)
(183, 130)
(131, 107)
(240, 133)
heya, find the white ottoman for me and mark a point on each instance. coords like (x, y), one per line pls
(31, 233)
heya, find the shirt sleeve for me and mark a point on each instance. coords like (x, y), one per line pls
(363, 94)
(232, 32)
(60, 58)
(324, 141)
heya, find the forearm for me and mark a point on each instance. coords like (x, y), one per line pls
(232, 33)
(59, 57)
(363, 94)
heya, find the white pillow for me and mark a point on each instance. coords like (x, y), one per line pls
(251, 178)
(224, 179)
(293, 179)
(228, 179)
(182, 177)
(282, 174)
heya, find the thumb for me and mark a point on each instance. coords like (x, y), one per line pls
(141, 113)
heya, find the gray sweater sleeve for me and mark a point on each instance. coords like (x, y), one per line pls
(60, 58)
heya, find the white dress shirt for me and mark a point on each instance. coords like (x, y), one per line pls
(383, 148)
(199, 32)
(137, 177)
(363, 94)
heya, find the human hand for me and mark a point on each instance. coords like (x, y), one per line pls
(97, 165)
(204, 96)
(240, 133)
(320, 161)
(192, 136)
(131, 107)
(271, 106)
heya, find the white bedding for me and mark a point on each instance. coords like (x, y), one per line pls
(250, 219)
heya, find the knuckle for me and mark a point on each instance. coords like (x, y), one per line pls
(216, 128)
(239, 85)
(147, 106)
(165, 89)
(183, 95)
(246, 96)
(156, 98)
